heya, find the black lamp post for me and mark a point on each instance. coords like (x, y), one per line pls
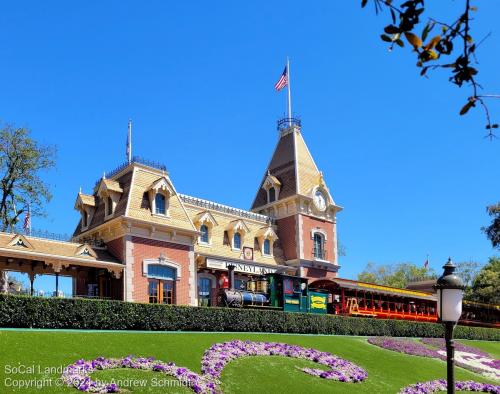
(449, 288)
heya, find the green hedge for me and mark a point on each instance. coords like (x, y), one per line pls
(36, 312)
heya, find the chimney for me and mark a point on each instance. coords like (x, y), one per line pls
(230, 271)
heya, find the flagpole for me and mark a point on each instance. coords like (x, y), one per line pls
(289, 92)
(129, 141)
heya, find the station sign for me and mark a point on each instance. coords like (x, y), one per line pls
(240, 267)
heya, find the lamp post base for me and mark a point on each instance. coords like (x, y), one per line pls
(450, 356)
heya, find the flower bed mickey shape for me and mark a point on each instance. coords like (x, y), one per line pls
(214, 360)
(440, 385)
(466, 357)
(78, 374)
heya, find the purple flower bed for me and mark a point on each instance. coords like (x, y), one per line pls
(78, 374)
(440, 385)
(440, 343)
(475, 361)
(214, 360)
(406, 346)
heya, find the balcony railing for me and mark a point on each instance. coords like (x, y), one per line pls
(39, 234)
(138, 160)
(285, 123)
(319, 253)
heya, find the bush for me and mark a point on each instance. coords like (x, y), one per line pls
(36, 312)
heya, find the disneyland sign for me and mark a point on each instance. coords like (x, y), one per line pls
(240, 267)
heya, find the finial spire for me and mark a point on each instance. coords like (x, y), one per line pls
(129, 142)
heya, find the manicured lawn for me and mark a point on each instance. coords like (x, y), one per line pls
(387, 371)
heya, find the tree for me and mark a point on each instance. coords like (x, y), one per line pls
(452, 49)
(396, 275)
(487, 282)
(21, 161)
(493, 230)
(467, 271)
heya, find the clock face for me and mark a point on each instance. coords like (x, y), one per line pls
(320, 200)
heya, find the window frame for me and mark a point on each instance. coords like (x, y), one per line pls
(164, 203)
(237, 233)
(204, 234)
(319, 253)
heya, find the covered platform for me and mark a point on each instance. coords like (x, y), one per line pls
(94, 272)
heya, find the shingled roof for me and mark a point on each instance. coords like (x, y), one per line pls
(293, 166)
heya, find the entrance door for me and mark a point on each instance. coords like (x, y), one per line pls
(161, 291)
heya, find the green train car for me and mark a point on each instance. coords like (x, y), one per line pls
(276, 291)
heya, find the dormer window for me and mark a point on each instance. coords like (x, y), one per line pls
(159, 195)
(110, 192)
(237, 241)
(266, 237)
(272, 194)
(267, 247)
(205, 222)
(236, 231)
(272, 187)
(204, 234)
(160, 204)
(85, 204)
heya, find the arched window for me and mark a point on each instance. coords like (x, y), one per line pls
(272, 194)
(237, 241)
(161, 272)
(319, 246)
(204, 234)
(160, 204)
(161, 284)
(267, 247)
(110, 206)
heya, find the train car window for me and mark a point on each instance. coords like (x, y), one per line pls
(287, 286)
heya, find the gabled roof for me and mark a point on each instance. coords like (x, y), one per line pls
(238, 225)
(267, 232)
(109, 185)
(205, 217)
(292, 165)
(84, 199)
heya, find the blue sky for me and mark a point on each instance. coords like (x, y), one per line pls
(197, 80)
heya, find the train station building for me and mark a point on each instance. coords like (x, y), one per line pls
(139, 239)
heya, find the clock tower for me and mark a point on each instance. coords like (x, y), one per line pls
(293, 192)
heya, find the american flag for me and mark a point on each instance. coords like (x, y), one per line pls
(27, 221)
(426, 264)
(283, 81)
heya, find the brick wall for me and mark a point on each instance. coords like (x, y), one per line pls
(286, 235)
(308, 224)
(151, 249)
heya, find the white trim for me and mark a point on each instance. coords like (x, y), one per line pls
(321, 231)
(129, 268)
(192, 282)
(299, 239)
(130, 191)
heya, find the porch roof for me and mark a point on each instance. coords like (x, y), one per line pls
(49, 251)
